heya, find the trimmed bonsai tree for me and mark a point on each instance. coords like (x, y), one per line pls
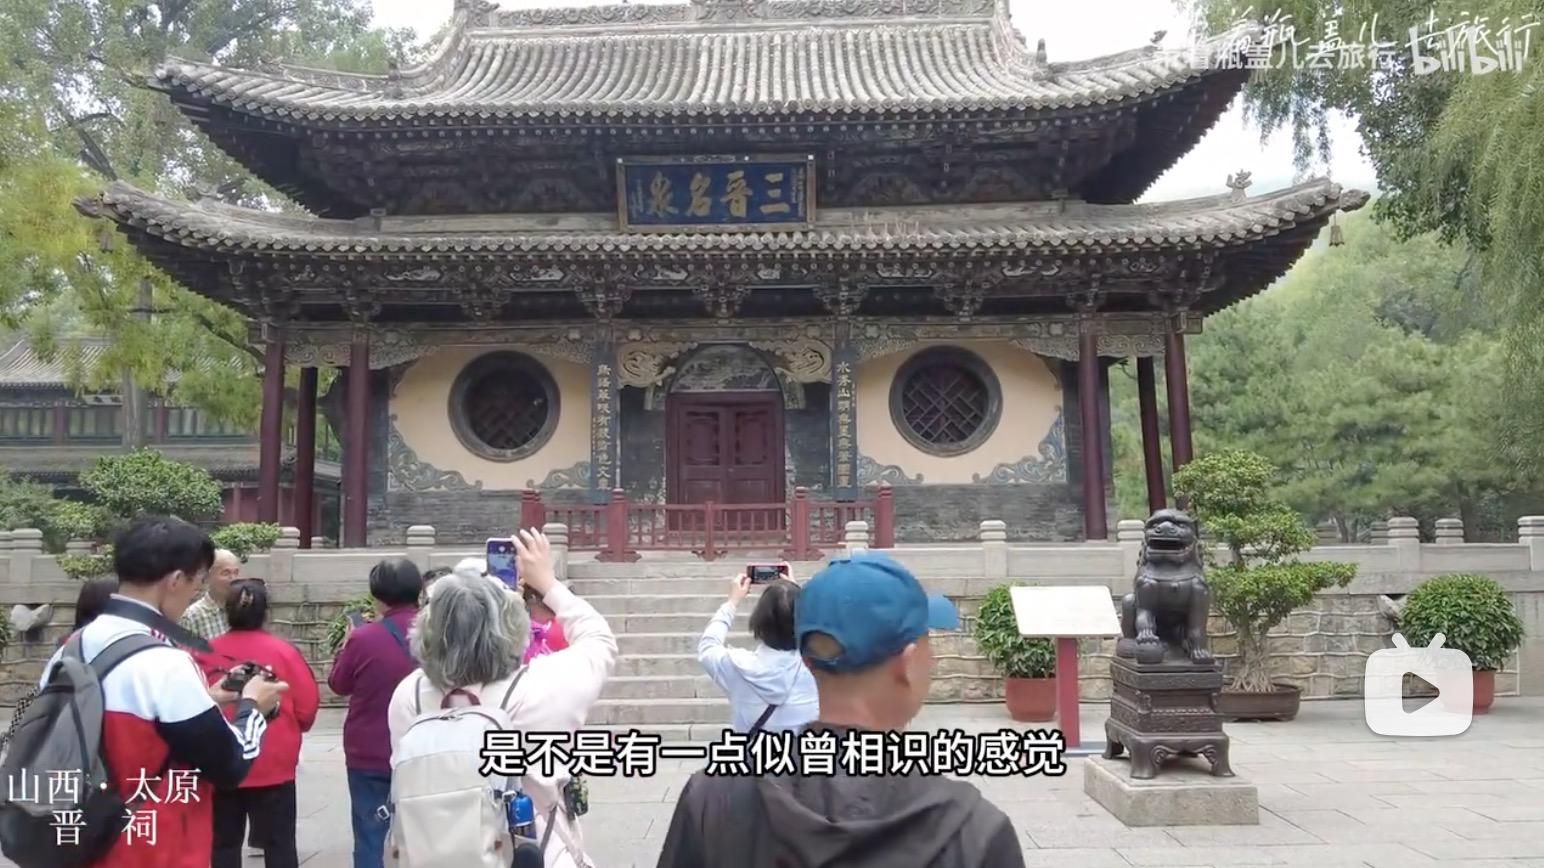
(244, 538)
(1471, 612)
(145, 481)
(1026, 664)
(1261, 581)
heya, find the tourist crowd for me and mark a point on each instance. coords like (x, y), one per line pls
(446, 659)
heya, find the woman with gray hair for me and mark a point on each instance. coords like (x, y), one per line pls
(470, 638)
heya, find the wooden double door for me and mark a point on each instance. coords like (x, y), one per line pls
(724, 447)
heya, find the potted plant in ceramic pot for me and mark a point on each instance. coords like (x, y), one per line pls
(1260, 580)
(1474, 616)
(1026, 664)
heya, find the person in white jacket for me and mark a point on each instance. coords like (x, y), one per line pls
(772, 676)
(472, 636)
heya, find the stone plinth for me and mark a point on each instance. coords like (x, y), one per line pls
(1182, 796)
(1162, 711)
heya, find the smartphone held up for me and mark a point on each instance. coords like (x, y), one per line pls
(501, 560)
(760, 574)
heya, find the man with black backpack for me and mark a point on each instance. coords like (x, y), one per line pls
(127, 716)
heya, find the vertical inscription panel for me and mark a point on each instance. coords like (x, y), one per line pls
(604, 404)
(844, 418)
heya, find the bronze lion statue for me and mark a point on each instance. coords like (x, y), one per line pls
(1164, 617)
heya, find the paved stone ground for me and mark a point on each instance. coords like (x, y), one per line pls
(1332, 794)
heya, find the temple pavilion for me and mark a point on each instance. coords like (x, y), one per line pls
(672, 267)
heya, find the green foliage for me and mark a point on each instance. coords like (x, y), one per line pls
(28, 504)
(1262, 582)
(5, 633)
(87, 567)
(244, 538)
(73, 520)
(998, 639)
(1456, 154)
(78, 111)
(337, 629)
(145, 481)
(1371, 376)
(1471, 612)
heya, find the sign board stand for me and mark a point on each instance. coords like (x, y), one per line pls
(1066, 614)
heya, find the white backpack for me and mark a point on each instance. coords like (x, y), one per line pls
(444, 812)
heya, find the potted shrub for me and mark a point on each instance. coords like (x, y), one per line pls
(1261, 581)
(1474, 616)
(1027, 665)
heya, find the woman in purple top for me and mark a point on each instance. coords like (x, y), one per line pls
(373, 659)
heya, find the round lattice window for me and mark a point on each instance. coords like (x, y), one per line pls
(945, 401)
(504, 406)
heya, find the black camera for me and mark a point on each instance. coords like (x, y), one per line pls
(237, 676)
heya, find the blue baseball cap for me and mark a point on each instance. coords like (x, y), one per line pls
(872, 606)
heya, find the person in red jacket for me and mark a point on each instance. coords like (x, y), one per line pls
(266, 797)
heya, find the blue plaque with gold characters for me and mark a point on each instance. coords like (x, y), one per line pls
(720, 194)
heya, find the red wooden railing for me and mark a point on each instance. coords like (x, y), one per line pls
(798, 529)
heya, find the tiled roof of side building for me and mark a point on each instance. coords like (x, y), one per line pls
(846, 58)
(1217, 221)
(21, 366)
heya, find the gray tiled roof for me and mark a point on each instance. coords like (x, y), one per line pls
(20, 365)
(1211, 221)
(706, 59)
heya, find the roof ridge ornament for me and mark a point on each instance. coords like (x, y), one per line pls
(1239, 184)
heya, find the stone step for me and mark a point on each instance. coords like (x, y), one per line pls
(672, 623)
(669, 733)
(706, 587)
(660, 687)
(671, 604)
(669, 643)
(693, 568)
(657, 665)
(660, 711)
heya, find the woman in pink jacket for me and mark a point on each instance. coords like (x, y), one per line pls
(472, 636)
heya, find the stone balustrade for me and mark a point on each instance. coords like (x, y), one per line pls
(1321, 648)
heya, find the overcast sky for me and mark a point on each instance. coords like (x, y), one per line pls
(1073, 31)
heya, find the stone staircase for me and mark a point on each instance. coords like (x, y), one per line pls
(658, 609)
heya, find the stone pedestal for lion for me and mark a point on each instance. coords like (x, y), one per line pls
(1163, 707)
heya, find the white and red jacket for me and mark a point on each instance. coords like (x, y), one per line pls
(159, 716)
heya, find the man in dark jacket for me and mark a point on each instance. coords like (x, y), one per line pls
(862, 626)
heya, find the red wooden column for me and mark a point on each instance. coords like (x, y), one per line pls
(305, 456)
(1152, 444)
(271, 430)
(1094, 520)
(1179, 392)
(356, 445)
